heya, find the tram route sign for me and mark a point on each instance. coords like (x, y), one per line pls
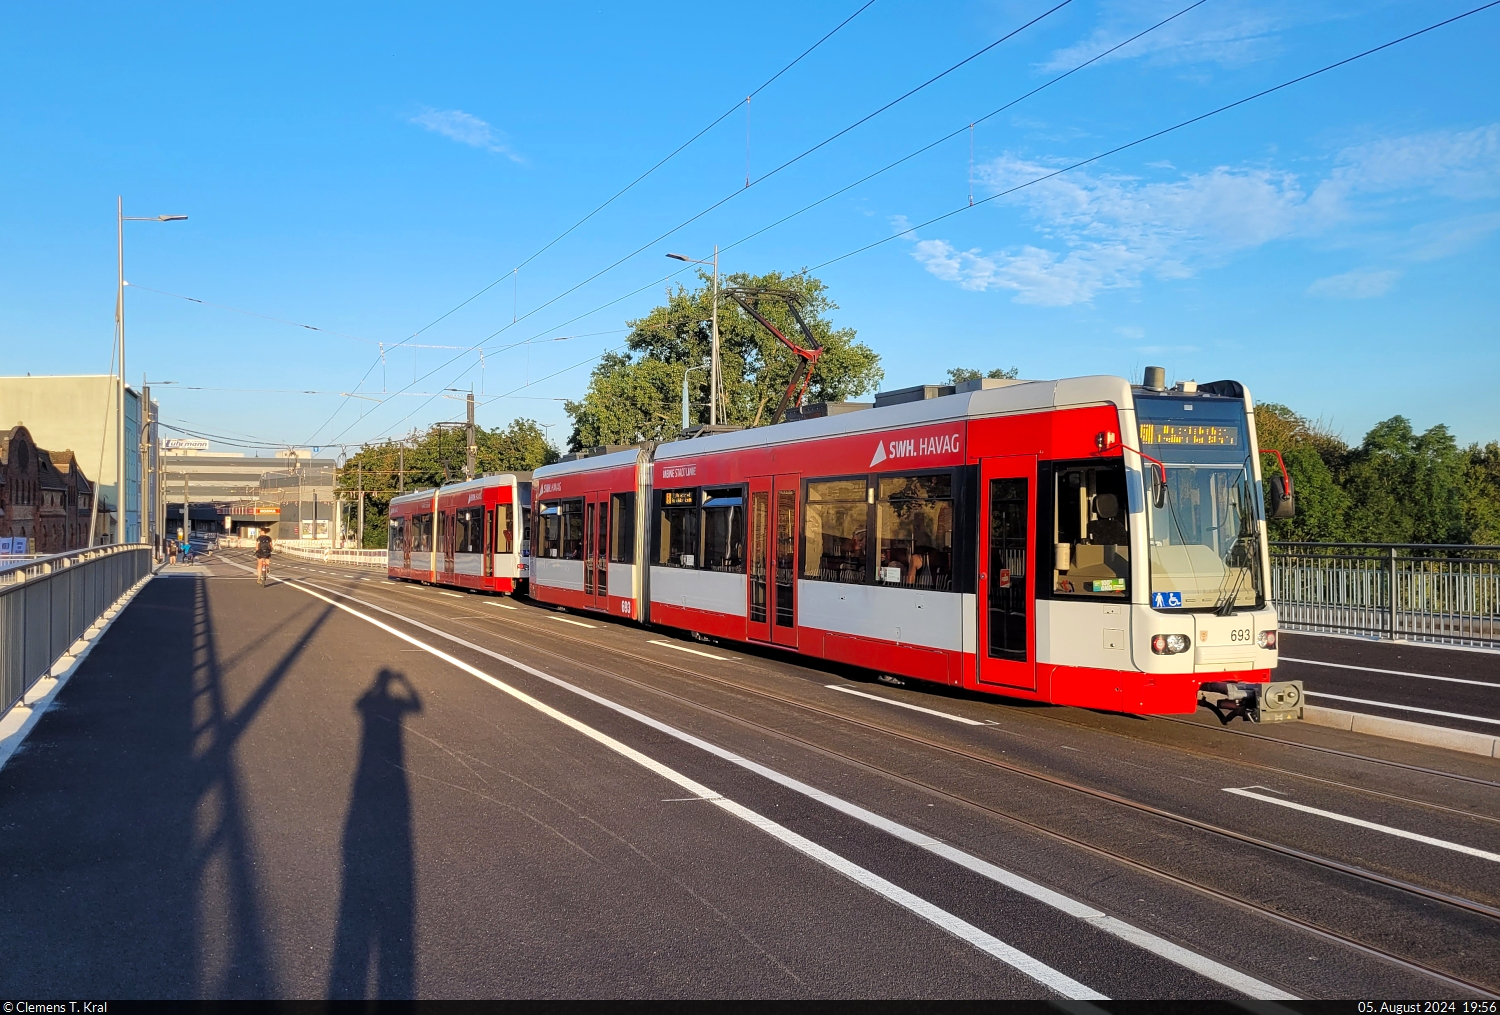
(1190, 435)
(1166, 600)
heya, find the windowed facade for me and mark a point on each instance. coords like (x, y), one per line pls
(622, 530)
(1089, 549)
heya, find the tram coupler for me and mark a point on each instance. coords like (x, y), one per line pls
(1276, 701)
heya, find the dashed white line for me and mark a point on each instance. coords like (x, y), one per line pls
(1457, 847)
(904, 704)
(684, 648)
(1391, 673)
(1037, 970)
(1230, 977)
(1403, 708)
(570, 620)
(455, 595)
(503, 606)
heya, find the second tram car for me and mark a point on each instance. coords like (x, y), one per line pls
(470, 535)
(1083, 541)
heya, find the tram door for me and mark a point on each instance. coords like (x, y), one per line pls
(1007, 591)
(762, 564)
(596, 551)
(784, 558)
(489, 542)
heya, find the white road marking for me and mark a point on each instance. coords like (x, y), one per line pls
(959, 928)
(903, 704)
(455, 595)
(1393, 673)
(1457, 847)
(1403, 708)
(503, 606)
(570, 620)
(1143, 939)
(684, 648)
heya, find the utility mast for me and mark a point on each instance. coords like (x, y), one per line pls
(473, 451)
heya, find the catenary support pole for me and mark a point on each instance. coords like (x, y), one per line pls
(472, 451)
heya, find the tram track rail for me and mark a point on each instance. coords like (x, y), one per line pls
(1259, 908)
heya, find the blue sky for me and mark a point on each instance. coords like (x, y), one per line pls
(365, 168)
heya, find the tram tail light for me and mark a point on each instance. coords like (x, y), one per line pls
(1170, 644)
(1266, 639)
(1105, 439)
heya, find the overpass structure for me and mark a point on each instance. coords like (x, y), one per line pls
(342, 786)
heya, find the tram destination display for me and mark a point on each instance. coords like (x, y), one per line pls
(1190, 435)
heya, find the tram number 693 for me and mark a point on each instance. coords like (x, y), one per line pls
(1240, 634)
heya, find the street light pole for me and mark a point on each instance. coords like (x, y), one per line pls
(120, 219)
(713, 373)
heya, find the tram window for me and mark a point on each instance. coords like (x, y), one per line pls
(396, 537)
(834, 531)
(724, 530)
(914, 526)
(504, 538)
(1090, 533)
(572, 529)
(549, 523)
(469, 534)
(677, 529)
(421, 533)
(622, 531)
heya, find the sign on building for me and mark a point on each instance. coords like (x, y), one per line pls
(184, 444)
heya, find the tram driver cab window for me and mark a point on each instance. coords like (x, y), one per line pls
(1091, 539)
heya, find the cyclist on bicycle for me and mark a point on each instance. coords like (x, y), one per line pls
(262, 557)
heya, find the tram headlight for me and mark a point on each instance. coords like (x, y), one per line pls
(1170, 644)
(1266, 639)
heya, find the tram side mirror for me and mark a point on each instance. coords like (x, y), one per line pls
(1283, 504)
(1158, 489)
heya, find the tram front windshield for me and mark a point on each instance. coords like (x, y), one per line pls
(1203, 523)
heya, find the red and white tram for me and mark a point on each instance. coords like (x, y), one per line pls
(471, 535)
(1082, 541)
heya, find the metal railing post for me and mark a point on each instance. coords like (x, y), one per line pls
(1391, 570)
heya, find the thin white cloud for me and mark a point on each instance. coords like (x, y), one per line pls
(1097, 234)
(1360, 284)
(1231, 34)
(465, 128)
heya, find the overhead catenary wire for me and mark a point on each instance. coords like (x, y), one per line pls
(1160, 133)
(784, 165)
(1094, 59)
(955, 133)
(633, 183)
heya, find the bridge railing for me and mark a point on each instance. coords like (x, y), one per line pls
(375, 559)
(48, 603)
(1448, 594)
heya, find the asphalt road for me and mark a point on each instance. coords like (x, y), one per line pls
(340, 786)
(1453, 687)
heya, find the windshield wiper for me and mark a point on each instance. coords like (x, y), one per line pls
(1225, 606)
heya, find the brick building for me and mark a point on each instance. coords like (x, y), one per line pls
(44, 496)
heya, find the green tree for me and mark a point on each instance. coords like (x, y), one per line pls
(437, 456)
(636, 395)
(1313, 457)
(1406, 487)
(957, 375)
(1482, 494)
